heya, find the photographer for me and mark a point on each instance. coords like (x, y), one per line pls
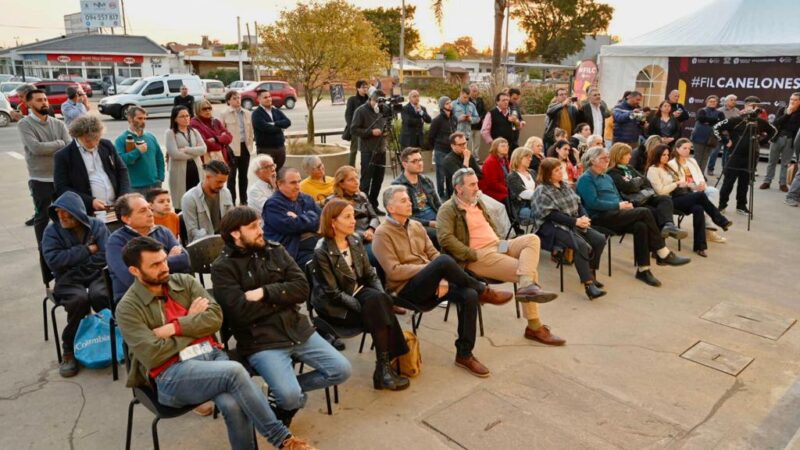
(737, 142)
(369, 122)
(414, 117)
(561, 113)
(629, 120)
(787, 121)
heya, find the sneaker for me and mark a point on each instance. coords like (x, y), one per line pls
(69, 366)
(295, 443)
(743, 210)
(791, 202)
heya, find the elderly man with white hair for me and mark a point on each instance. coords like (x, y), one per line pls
(318, 185)
(414, 117)
(262, 172)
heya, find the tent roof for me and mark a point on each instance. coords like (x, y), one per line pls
(723, 28)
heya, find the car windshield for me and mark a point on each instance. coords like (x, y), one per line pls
(137, 86)
(128, 81)
(8, 87)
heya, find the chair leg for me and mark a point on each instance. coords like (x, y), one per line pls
(516, 304)
(114, 364)
(363, 338)
(44, 317)
(679, 245)
(480, 318)
(255, 439)
(608, 246)
(155, 434)
(130, 424)
(328, 400)
(561, 269)
(414, 321)
(336, 394)
(302, 367)
(55, 332)
(447, 311)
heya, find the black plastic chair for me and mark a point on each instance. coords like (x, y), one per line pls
(681, 216)
(202, 254)
(112, 324)
(609, 234)
(517, 223)
(182, 230)
(48, 296)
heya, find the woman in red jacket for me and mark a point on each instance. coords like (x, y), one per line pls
(214, 133)
(495, 169)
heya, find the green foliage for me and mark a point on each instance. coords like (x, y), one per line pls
(556, 28)
(462, 47)
(387, 22)
(227, 76)
(535, 99)
(449, 51)
(432, 87)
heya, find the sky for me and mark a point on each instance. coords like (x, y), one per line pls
(165, 21)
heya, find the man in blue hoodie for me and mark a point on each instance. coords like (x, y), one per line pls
(629, 120)
(74, 247)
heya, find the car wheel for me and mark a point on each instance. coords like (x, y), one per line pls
(247, 104)
(5, 119)
(123, 113)
(289, 103)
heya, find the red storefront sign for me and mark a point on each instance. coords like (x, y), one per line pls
(70, 57)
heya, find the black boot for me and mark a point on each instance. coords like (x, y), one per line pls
(385, 377)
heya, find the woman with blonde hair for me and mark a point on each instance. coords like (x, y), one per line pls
(215, 135)
(346, 187)
(536, 145)
(521, 182)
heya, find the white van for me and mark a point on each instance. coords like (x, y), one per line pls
(155, 94)
(214, 90)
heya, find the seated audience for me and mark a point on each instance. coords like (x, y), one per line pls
(291, 218)
(260, 289)
(262, 171)
(635, 188)
(318, 185)
(570, 168)
(74, 248)
(134, 211)
(535, 145)
(495, 170)
(161, 316)
(687, 197)
(639, 154)
(90, 167)
(664, 124)
(689, 171)
(348, 292)
(468, 234)
(185, 148)
(417, 272)
(521, 182)
(161, 203)
(140, 151)
(345, 187)
(606, 208)
(459, 157)
(580, 136)
(425, 202)
(204, 205)
(562, 223)
(215, 135)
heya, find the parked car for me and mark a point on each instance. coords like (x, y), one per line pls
(87, 88)
(8, 87)
(5, 77)
(282, 94)
(214, 90)
(5, 111)
(154, 94)
(239, 85)
(97, 85)
(55, 90)
(122, 86)
(28, 79)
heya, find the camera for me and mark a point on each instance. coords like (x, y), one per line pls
(390, 106)
(752, 114)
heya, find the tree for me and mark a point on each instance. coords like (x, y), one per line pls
(316, 44)
(556, 28)
(462, 47)
(387, 22)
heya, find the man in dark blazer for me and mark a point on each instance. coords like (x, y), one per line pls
(414, 117)
(268, 126)
(353, 103)
(593, 112)
(90, 167)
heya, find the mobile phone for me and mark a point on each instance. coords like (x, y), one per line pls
(502, 247)
(574, 99)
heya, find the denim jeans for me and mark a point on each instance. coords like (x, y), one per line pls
(275, 367)
(441, 175)
(780, 149)
(243, 404)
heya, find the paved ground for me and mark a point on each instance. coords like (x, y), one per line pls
(620, 382)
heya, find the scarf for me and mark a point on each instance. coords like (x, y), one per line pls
(548, 198)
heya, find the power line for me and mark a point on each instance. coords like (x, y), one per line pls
(2, 25)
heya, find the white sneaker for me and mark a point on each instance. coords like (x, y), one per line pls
(712, 236)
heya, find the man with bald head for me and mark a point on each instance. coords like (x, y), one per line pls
(291, 217)
(414, 116)
(678, 110)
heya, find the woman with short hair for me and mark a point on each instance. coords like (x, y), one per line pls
(495, 170)
(348, 292)
(346, 187)
(536, 145)
(521, 182)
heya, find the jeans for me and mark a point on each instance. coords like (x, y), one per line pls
(42, 193)
(463, 291)
(78, 300)
(275, 367)
(780, 149)
(441, 175)
(697, 204)
(794, 190)
(712, 159)
(278, 155)
(640, 223)
(239, 164)
(372, 171)
(243, 404)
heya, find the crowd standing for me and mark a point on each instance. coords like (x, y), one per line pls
(597, 171)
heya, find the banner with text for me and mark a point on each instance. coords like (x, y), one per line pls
(771, 79)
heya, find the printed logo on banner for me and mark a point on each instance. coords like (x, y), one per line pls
(736, 60)
(694, 60)
(726, 60)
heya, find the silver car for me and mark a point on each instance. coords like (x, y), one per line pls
(5, 111)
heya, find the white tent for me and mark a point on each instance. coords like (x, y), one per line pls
(724, 28)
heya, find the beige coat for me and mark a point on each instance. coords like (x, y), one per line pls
(232, 124)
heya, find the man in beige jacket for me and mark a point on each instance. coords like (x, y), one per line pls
(237, 121)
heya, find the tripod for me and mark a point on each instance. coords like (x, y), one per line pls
(391, 143)
(748, 141)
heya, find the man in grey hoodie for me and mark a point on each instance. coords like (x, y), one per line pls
(42, 136)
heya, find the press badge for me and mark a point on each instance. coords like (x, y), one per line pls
(193, 351)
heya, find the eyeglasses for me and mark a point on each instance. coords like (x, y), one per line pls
(414, 161)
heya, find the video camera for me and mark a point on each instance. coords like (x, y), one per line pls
(752, 114)
(390, 106)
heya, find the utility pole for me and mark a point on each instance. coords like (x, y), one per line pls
(239, 40)
(508, 21)
(256, 60)
(124, 20)
(402, 41)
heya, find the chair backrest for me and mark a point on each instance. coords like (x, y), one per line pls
(182, 229)
(110, 289)
(204, 251)
(310, 270)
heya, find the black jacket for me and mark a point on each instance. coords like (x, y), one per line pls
(481, 107)
(628, 186)
(439, 134)
(515, 187)
(679, 107)
(551, 119)
(269, 135)
(70, 172)
(352, 104)
(187, 101)
(336, 282)
(737, 131)
(787, 124)
(364, 121)
(585, 116)
(654, 128)
(413, 126)
(451, 163)
(273, 322)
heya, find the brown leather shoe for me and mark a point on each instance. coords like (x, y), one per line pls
(764, 186)
(533, 293)
(474, 366)
(493, 297)
(295, 443)
(399, 310)
(544, 336)
(784, 188)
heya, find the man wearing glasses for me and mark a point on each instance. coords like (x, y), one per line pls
(459, 158)
(262, 169)
(76, 106)
(425, 202)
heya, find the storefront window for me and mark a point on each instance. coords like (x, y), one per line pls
(129, 71)
(652, 83)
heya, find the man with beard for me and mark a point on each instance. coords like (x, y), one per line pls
(42, 136)
(169, 323)
(204, 205)
(141, 153)
(261, 288)
(134, 211)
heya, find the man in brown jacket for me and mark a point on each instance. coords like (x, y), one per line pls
(468, 233)
(169, 322)
(239, 123)
(416, 271)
